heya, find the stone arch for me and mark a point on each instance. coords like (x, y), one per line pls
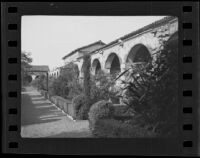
(113, 63)
(96, 66)
(77, 69)
(139, 53)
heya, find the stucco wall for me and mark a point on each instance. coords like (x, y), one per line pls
(148, 38)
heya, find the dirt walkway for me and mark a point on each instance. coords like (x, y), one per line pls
(40, 118)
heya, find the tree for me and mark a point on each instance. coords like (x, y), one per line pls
(66, 84)
(102, 87)
(87, 82)
(25, 64)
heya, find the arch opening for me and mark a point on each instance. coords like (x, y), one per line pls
(96, 66)
(113, 64)
(138, 54)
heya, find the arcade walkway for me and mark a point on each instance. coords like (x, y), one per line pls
(40, 118)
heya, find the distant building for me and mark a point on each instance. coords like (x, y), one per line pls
(55, 72)
(37, 70)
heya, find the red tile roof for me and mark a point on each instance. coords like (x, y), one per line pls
(84, 47)
(145, 28)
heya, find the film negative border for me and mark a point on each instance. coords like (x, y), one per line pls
(188, 105)
(12, 108)
(11, 34)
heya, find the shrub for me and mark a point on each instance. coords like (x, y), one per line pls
(123, 110)
(78, 103)
(83, 112)
(102, 122)
(151, 90)
(117, 129)
(99, 110)
(101, 87)
(66, 84)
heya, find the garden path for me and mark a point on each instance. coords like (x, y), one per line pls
(41, 118)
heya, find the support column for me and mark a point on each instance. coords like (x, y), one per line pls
(123, 68)
(107, 71)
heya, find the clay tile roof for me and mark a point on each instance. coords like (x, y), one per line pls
(145, 28)
(83, 47)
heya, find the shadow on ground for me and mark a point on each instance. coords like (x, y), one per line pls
(35, 113)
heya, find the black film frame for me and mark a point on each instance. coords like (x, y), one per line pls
(185, 144)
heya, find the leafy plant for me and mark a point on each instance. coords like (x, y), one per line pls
(99, 110)
(25, 64)
(86, 80)
(67, 84)
(151, 90)
(78, 104)
(102, 87)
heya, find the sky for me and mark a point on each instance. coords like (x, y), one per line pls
(49, 38)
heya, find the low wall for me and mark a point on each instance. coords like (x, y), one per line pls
(63, 104)
(45, 94)
(60, 102)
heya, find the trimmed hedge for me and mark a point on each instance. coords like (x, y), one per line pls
(107, 120)
(79, 105)
(77, 102)
(99, 110)
(112, 128)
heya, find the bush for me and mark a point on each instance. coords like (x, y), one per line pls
(123, 110)
(101, 87)
(102, 122)
(112, 128)
(67, 84)
(99, 110)
(78, 104)
(151, 90)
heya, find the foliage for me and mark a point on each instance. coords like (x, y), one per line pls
(102, 123)
(99, 110)
(112, 128)
(67, 84)
(25, 64)
(102, 87)
(86, 81)
(78, 104)
(42, 82)
(83, 102)
(54, 87)
(151, 90)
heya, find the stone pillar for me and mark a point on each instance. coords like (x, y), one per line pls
(123, 68)
(107, 71)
